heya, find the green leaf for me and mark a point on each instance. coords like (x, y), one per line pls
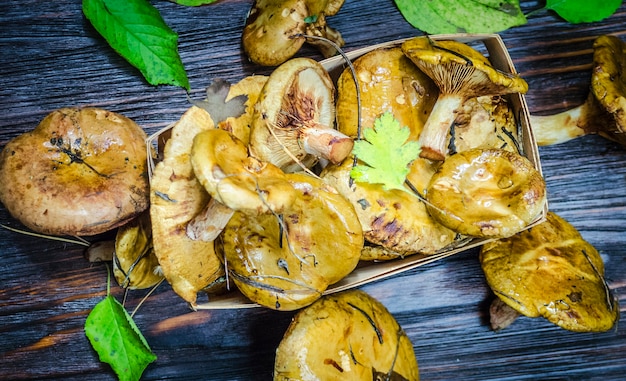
(193, 3)
(136, 31)
(462, 16)
(118, 341)
(582, 11)
(386, 152)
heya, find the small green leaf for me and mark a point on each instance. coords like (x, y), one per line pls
(462, 16)
(193, 3)
(386, 152)
(136, 31)
(118, 341)
(582, 11)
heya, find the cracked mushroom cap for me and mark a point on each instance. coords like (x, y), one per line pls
(294, 118)
(486, 193)
(82, 171)
(460, 72)
(551, 271)
(345, 336)
(287, 261)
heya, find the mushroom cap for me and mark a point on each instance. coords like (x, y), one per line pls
(608, 80)
(299, 94)
(345, 336)
(82, 171)
(388, 81)
(486, 193)
(551, 271)
(176, 197)
(134, 264)
(237, 180)
(458, 68)
(394, 219)
(320, 244)
(268, 37)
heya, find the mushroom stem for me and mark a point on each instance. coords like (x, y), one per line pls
(434, 136)
(561, 127)
(319, 28)
(326, 143)
(209, 223)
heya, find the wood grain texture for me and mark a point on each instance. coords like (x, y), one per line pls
(52, 58)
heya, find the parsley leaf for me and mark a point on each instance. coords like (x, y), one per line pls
(462, 16)
(582, 11)
(136, 31)
(386, 152)
(118, 341)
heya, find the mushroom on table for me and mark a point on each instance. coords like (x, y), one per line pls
(81, 172)
(604, 110)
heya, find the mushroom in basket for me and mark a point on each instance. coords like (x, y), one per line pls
(292, 124)
(81, 172)
(460, 72)
(604, 111)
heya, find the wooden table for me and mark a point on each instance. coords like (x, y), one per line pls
(52, 57)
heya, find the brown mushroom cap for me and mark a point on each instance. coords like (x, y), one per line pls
(486, 193)
(82, 171)
(345, 336)
(551, 271)
(460, 72)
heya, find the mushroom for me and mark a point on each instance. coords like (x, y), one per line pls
(134, 264)
(486, 193)
(394, 219)
(603, 112)
(275, 29)
(238, 181)
(460, 72)
(82, 172)
(176, 197)
(287, 261)
(551, 271)
(388, 81)
(345, 336)
(294, 116)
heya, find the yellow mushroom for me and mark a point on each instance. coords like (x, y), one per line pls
(345, 336)
(287, 261)
(460, 72)
(552, 272)
(486, 193)
(603, 112)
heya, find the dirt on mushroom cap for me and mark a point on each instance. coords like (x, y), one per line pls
(82, 171)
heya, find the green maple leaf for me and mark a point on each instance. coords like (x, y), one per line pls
(462, 16)
(119, 343)
(385, 152)
(137, 32)
(582, 11)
